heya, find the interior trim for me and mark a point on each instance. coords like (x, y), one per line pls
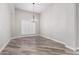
(70, 48)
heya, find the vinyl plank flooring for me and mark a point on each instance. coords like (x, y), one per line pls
(35, 45)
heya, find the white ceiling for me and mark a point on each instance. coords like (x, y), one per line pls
(38, 8)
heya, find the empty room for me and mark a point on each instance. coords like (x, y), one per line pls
(39, 29)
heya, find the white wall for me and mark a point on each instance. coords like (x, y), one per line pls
(58, 22)
(13, 20)
(24, 15)
(4, 24)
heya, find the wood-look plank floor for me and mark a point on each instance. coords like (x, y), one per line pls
(34, 45)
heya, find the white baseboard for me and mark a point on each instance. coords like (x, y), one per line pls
(5, 44)
(77, 48)
(39, 35)
(53, 39)
(70, 48)
(24, 36)
(74, 49)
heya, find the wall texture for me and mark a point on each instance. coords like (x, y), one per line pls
(58, 23)
(5, 18)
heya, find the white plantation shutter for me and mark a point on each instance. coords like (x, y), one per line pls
(27, 27)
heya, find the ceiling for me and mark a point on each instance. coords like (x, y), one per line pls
(38, 8)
